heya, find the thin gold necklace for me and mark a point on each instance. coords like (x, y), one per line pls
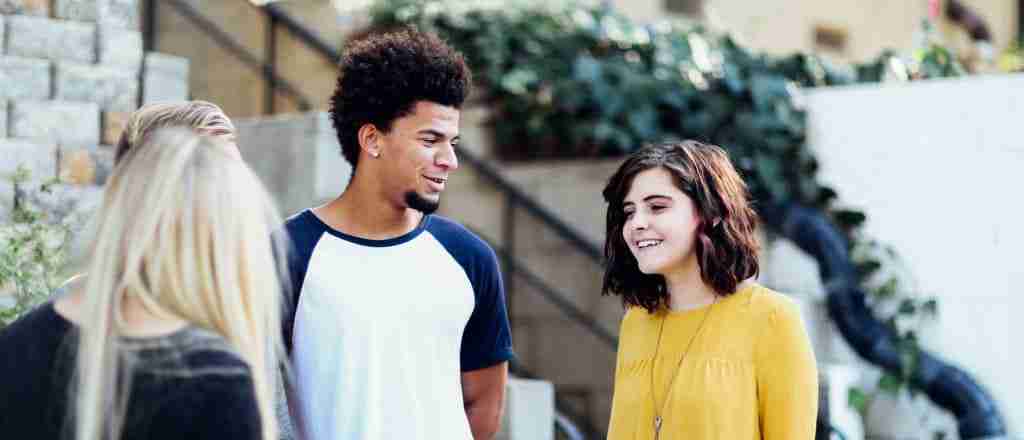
(657, 412)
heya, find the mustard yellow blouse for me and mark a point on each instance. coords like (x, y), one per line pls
(750, 374)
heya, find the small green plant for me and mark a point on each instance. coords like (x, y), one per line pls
(897, 307)
(33, 249)
(1012, 59)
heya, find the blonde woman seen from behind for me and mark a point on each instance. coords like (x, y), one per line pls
(175, 331)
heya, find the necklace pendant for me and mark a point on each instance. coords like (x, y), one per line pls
(657, 424)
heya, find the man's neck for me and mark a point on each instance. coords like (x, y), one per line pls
(363, 212)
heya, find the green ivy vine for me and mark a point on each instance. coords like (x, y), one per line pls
(33, 249)
(584, 81)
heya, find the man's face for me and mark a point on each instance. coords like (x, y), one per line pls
(419, 154)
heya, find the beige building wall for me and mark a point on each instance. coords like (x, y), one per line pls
(785, 26)
(221, 77)
(775, 26)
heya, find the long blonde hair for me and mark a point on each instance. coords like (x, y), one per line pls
(184, 229)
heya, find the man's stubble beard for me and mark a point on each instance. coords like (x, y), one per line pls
(421, 204)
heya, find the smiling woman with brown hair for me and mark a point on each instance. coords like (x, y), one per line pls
(704, 351)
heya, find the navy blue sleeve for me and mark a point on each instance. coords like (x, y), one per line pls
(487, 338)
(303, 232)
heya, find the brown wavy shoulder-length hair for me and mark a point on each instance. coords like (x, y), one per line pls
(726, 244)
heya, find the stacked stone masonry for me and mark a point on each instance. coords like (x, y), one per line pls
(71, 73)
(165, 78)
(39, 157)
(115, 13)
(38, 8)
(108, 87)
(66, 123)
(24, 78)
(77, 10)
(121, 48)
(51, 39)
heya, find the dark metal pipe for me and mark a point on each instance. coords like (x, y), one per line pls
(302, 32)
(976, 413)
(508, 241)
(1020, 22)
(270, 57)
(975, 26)
(149, 26)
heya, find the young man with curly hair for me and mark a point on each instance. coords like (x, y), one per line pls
(399, 328)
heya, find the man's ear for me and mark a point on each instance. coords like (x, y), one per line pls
(369, 140)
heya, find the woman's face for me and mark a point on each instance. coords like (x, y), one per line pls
(661, 223)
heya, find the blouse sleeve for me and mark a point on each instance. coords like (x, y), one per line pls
(787, 376)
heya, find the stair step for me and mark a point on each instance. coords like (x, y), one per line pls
(55, 40)
(65, 123)
(164, 78)
(39, 158)
(24, 78)
(38, 8)
(121, 48)
(110, 87)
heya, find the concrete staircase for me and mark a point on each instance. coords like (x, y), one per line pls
(72, 70)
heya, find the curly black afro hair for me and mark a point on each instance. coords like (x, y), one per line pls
(383, 75)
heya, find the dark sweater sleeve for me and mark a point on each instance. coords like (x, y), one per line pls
(219, 407)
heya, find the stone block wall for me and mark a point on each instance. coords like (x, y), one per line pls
(71, 73)
(25, 7)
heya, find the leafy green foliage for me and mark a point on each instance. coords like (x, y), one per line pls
(573, 80)
(33, 251)
(858, 400)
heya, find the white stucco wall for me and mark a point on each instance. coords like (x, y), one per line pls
(939, 168)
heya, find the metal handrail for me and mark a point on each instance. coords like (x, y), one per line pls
(232, 46)
(301, 32)
(573, 236)
(557, 299)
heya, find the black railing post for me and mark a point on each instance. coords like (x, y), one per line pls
(1020, 22)
(149, 30)
(509, 243)
(270, 57)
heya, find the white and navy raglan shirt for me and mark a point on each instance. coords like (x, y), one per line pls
(383, 329)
